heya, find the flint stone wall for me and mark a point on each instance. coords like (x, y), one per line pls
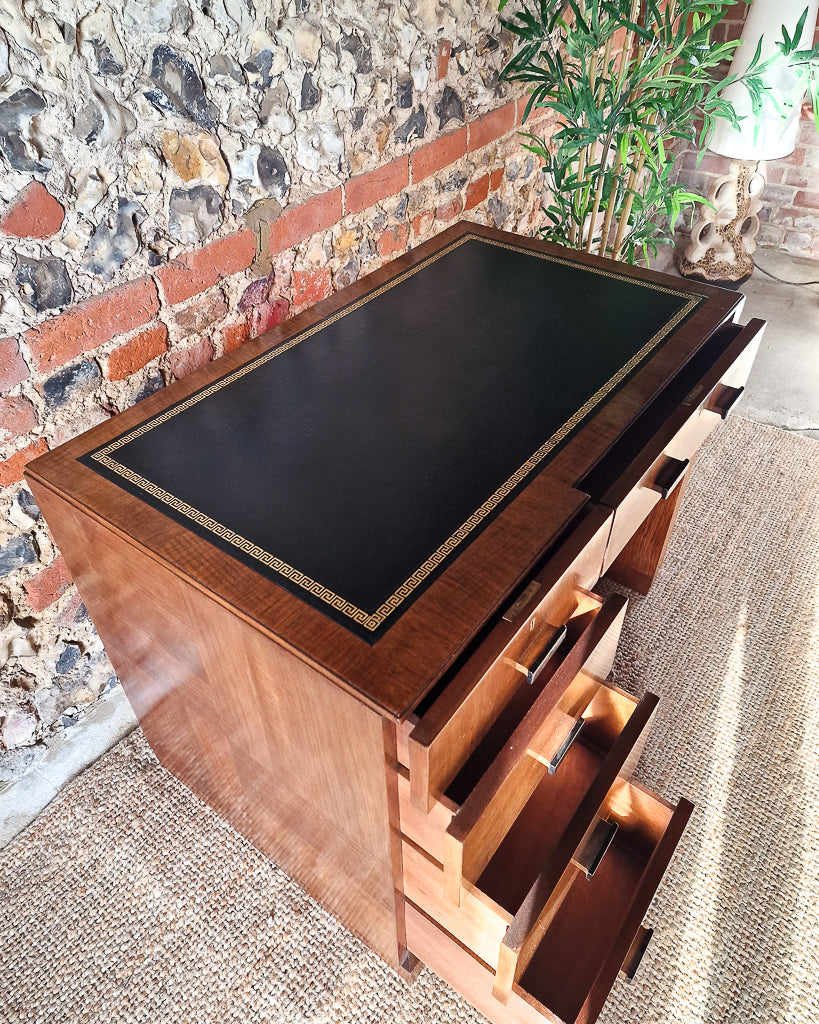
(178, 177)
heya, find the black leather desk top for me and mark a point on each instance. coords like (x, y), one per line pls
(351, 463)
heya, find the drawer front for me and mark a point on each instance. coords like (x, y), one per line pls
(539, 716)
(566, 751)
(516, 651)
(664, 480)
(652, 459)
(564, 959)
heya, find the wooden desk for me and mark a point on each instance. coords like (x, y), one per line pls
(346, 575)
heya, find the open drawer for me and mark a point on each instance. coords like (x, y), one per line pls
(653, 457)
(560, 954)
(522, 827)
(510, 664)
(529, 737)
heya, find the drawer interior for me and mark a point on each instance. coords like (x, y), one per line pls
(563, 969)
(539, 832)
(520, 831)
(601, 915)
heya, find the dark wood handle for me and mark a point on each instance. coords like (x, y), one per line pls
(543, 657)
(557, 758)
(669, 476)
(723, 399)
(593, 849)
(636, 951)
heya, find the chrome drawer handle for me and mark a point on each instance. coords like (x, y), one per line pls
(636, 951)
(669, 476)
(514, 610)
(557, 758)
(723, 400)
(591, 853)
(542, 660)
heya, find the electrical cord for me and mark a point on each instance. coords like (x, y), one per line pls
(782, 281)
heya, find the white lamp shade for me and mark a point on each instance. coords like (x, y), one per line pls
(770, 136)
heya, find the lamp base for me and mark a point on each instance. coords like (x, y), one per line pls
(712, 275)
(723, 238)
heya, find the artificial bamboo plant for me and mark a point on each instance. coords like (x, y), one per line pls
(626, 79)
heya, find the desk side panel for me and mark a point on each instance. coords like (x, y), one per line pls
(291, 761)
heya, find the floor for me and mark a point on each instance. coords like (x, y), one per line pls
(783, 391)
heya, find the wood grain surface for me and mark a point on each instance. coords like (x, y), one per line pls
(451, 728)
(277, 749)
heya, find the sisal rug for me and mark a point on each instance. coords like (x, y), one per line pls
(128, 900)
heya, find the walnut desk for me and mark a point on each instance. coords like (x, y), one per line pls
(346, 576)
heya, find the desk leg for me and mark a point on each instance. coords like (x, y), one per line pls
(639, 561)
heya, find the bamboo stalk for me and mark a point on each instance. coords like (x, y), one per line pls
(598, 193)
(581, 174)
(622, 70)
(628, 42)
(587, 154)
(604, 232)
(604, 156)
(605, 62)
(625, 213)
(629, 200)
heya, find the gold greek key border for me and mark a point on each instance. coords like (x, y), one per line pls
(372, 621)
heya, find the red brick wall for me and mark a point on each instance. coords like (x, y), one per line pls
(101, 355)
(125, 329)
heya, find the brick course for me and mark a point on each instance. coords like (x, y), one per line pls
(434, 156)
(137, 352)
(202, 268)
(492, 126)
(300, 222)
(90, 324)
(11, 471)
(366, 190)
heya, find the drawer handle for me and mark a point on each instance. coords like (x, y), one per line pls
(669, 476)
(542, 659)
(592, 851)
(557, 758)
(723, 399)
(514, 611)
(635, 952)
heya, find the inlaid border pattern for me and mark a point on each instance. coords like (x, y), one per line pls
(373, 620)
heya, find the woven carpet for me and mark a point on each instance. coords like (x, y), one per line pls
(128, 900)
